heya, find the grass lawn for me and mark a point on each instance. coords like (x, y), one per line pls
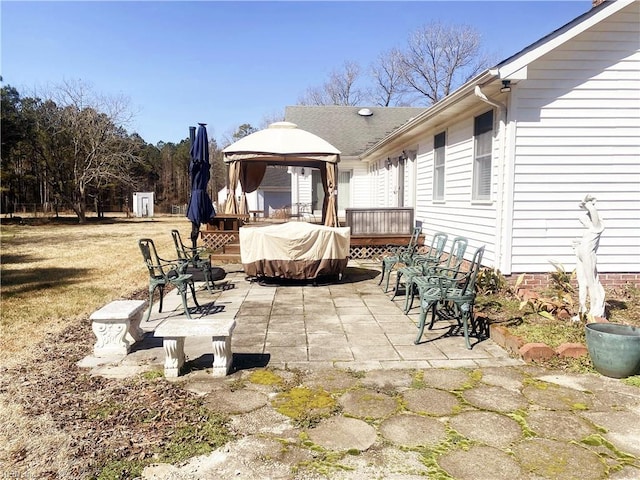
(58, 273)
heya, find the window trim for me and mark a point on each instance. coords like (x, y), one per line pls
(483, 129)
(439, 150)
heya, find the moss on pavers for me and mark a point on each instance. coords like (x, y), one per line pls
(447, 378)
(555, 397)
(304, 405)
(480, 463)
(619, 427)
(332, 380)
(368, 404)
(485, 426)
(409, 430)
(559, 460)
(431, 401)
(490, 428)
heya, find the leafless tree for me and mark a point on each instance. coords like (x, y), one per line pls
(269, 118)
(82, 144)
(440, 58)
(389, 87)
(339, 89)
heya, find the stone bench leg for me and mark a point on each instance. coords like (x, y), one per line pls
(222, 356)
(173, 356)
(117, 327)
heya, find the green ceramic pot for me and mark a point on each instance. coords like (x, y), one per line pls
(614, 348)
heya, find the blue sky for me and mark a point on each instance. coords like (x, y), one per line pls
(234, 62)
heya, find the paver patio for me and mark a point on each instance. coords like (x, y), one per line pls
(351, 323)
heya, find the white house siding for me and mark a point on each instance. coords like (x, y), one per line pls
(457, 214)
(578, 131)
(362, 191)
(382, 192)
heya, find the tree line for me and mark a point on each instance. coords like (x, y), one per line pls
(69, 149)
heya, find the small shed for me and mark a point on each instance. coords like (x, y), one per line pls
(143, 204)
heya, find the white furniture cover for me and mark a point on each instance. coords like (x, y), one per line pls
(294, 250)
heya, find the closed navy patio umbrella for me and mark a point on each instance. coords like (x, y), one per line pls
(200, 209)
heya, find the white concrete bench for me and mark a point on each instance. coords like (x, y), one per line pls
(175, 330)
(117, 327)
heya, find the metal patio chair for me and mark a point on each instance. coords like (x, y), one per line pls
(419, 263)
(399, 254)
(451, 297)
(192, 257)
(166, 272)
(450, 266)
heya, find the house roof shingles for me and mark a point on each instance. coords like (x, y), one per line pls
(345, 129)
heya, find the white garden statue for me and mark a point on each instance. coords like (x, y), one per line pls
(586, 268)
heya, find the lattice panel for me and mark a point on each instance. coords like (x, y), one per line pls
(364, 251)
(217, 240)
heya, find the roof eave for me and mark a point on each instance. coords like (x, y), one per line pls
(512, 67)
(464, 91)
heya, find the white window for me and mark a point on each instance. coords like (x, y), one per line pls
(439, 142)
(483, 135)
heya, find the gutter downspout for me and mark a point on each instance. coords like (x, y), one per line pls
(502, 115)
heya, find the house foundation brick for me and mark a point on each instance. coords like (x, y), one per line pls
(543, 280)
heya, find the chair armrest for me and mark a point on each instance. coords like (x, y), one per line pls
(179, 264)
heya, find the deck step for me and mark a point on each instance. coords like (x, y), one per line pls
(232, 248)
(222, 258)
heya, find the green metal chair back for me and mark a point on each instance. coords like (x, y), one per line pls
(163, 272)
(407, 252)
(468, 286)
(152, 260)
(454, 260)
(180, 247)
(436, 248)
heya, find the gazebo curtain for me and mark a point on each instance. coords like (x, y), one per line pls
(250, 174)
(231, 206)
(330, 205)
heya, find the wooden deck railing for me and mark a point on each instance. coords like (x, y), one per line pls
(373, 229)
(379, 221)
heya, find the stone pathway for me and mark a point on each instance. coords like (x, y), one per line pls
(487, 423)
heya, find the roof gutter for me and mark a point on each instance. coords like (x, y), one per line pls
(432, 111)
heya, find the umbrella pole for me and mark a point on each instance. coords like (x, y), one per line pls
(195, 232)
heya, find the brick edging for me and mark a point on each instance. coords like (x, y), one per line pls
(531, 352)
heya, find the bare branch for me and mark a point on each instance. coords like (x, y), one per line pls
(339, 89)
(440, 58)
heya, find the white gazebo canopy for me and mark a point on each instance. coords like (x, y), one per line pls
(283, 143)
